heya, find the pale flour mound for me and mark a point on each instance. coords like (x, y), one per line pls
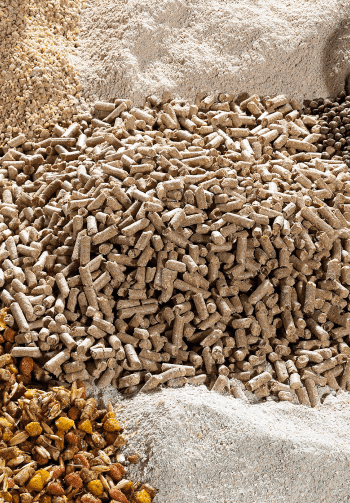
(196, 445)
(132, 49)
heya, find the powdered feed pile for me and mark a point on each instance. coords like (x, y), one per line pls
(131, 49)
(199, 446)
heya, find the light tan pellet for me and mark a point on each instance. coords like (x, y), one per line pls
(312, 392)
(258, 381)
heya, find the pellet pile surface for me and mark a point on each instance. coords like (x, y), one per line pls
(333, 115)
(38, 83)
(180, 243)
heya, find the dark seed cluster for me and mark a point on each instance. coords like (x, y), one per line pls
(334, 116)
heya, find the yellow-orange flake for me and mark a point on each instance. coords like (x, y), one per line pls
(3, 313)
(45, 475)
(143, 497)
(33, 429)
(109, 415)
(7, 435)
(95, 487)
(30, 393)
(112, 425)
(11, 368)
(37, 482)
(85, 426)
(64, 424)
(4, 423)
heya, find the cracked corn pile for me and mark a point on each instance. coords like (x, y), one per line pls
(180, 244)
(38, 85)
(56, 447)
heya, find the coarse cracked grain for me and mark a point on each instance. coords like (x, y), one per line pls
(38, 83)
(196, 445)
(134, 49)
(48, 457)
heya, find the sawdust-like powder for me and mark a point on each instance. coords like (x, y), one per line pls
(196, 445)
(131, 49)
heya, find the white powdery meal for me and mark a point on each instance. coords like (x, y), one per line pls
(196, 445)
(134, 49)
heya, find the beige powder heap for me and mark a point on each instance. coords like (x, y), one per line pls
(132, 49)
(198, 446)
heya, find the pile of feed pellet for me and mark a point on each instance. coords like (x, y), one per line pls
(181, 243)
(38, 83)
(57, 446)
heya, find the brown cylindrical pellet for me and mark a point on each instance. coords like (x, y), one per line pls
(345, 378)
(312, 392)
(258, 381)
(62, 285)
(19, 317)
(281, 371)
(200, 306)
(220, 383)
(178, 331)
(130, 380)
(25, 305)
(294, 381)
(132, 357)
(303, 396)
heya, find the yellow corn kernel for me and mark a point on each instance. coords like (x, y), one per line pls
(64, 423)
(4, 423)
(143, 497)
(36, 483)
(95, 487)
(7, 435)
(3, 313)
(33, 429)
(112, 425)
(7, 496)
(45, 475)
(85, 426)
(109, 415)
(30, 393)
(11, 368)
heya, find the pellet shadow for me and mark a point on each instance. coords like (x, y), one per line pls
(336, 58)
